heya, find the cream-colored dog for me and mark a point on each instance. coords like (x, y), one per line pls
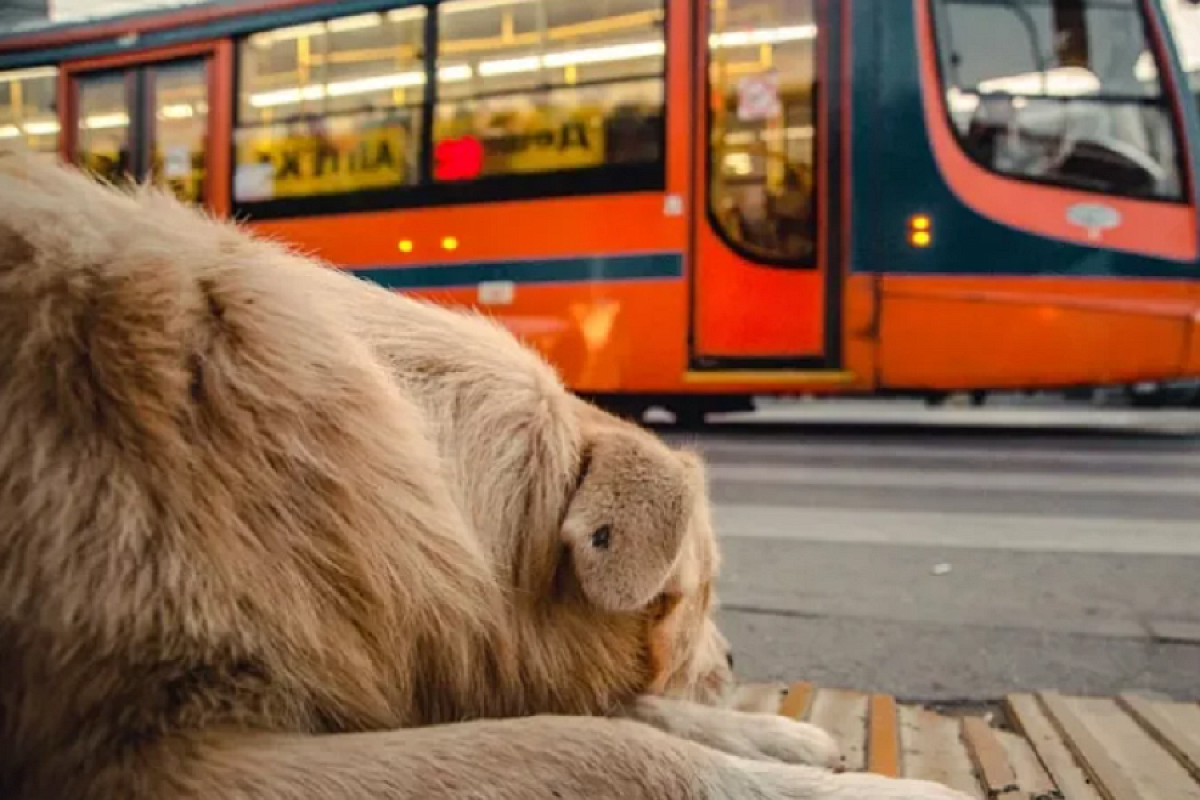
(267, 531)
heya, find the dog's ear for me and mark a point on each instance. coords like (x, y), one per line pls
(627, 520)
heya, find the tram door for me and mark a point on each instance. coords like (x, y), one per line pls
(145, 122)
(766, 254)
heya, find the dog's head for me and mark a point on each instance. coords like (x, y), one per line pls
(641, 542)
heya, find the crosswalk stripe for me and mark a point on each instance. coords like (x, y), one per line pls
(944, 479)
(717, 451)
(968, 531)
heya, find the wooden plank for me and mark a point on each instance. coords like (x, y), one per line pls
(932, 750)
(1106, 775)
(990, 759)
(1124, 761)
(843, 715)
(1164, 731)
(1031, 721)
(798, 702)
(883, 738)
(1032, 778)
(1186, 717)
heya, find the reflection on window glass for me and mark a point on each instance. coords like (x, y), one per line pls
(27, 108)
(331, 107)
(547, 85)
(762, 74)
(180, 101)
(102, 143)
(1065, 93)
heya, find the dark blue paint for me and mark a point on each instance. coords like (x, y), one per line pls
(642, 266)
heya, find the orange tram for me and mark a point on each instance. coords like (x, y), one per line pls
(687, 203)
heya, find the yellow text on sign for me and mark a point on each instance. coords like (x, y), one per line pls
(312, 164)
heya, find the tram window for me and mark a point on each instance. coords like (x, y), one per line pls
(1060, 93)
(102, 140)
(179, 95)
(548, 85)
(330, 108)
(762, 145)
(27, 108)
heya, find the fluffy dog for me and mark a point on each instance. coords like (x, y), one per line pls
(267, 531)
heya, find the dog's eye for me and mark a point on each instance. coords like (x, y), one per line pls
(602, 537)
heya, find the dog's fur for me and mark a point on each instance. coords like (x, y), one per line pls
(269, 531)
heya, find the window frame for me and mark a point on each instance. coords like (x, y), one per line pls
(1166, 99)
(638, 177)
(821, 76)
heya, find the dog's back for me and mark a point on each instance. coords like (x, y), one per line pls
(189, 446)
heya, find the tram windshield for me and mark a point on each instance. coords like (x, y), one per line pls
(1061, 92)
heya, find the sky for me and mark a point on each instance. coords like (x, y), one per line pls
(63, 9)
(1186, 21)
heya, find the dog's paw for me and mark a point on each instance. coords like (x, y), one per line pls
(773, 781)
(780, 739)
(773, 738)
(864, 786)
(750, 735)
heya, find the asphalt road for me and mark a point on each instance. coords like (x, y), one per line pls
(958, 562)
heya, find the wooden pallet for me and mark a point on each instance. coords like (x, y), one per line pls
(1043, 746)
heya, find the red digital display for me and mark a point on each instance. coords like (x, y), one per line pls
(458, 159)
